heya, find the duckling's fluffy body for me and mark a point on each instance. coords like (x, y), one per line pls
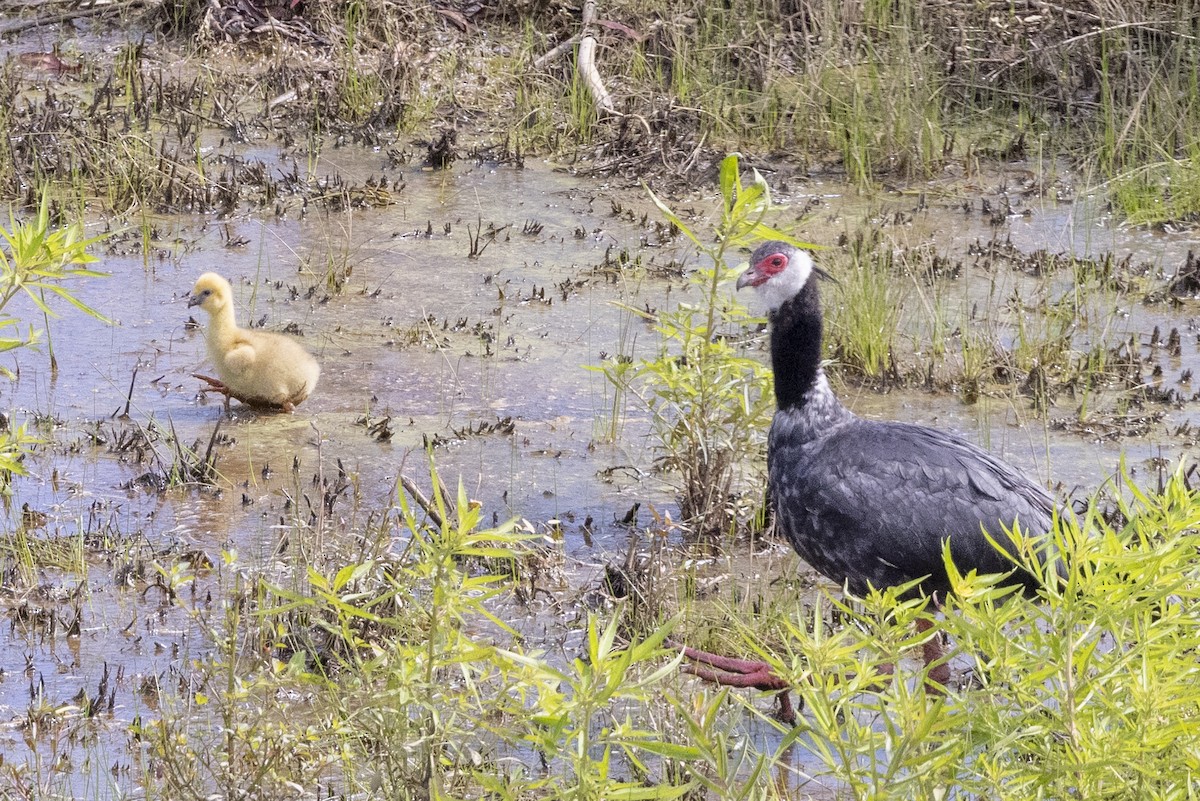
(258, 368)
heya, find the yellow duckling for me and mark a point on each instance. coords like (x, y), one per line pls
(258, 368)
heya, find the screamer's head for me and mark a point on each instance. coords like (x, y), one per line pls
(778, 271)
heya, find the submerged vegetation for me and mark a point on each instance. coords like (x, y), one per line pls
(427, 646)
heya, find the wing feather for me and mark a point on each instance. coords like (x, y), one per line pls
(873, 503)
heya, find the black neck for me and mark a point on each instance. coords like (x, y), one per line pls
(796, 346)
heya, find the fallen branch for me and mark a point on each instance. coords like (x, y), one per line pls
(601, 99)
(556, 51)
(412, 489)
(16, 26)
(553, 53)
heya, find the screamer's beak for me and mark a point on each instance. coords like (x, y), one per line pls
(751, 277)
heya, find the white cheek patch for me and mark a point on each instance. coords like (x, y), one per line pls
(784, 286)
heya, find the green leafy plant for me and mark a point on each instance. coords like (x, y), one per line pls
(35, 259)
(415, 686)
(1091, 690)
(710, 404)
(574, 714)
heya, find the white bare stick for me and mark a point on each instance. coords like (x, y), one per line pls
(587, 61)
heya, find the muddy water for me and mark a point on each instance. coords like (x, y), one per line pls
(421, 334)
(438, 344)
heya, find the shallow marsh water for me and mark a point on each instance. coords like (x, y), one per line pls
(439, 343)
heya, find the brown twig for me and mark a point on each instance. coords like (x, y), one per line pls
(556, 51)
(129, 395)
(412, 489)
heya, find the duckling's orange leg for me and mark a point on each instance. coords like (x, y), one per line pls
(215, 385)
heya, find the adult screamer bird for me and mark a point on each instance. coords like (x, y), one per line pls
(866, 503)
(259, 368)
